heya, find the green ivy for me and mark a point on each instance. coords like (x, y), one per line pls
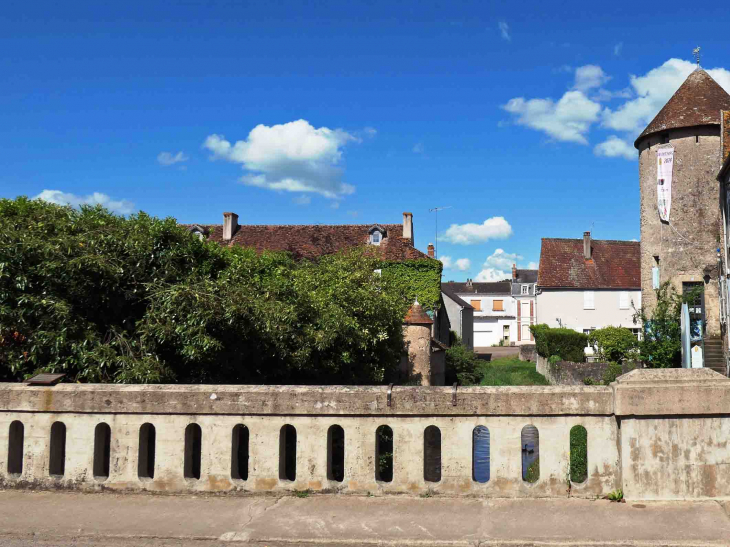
(416, 279)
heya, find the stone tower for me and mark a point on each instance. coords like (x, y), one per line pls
(685, 248)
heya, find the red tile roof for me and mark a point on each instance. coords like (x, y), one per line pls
(698, 101)
(315, 240)
(613, 264)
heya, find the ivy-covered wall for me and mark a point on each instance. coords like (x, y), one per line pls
(416, 279)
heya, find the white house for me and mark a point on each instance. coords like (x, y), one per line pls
(523, 292)
(461, 315)
(494, 310)
(586, 284)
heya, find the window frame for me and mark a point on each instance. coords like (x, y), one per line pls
(589, 303)
(621, 304)
(525, 290)
(372, 237)
(494, 305)
(478, 306)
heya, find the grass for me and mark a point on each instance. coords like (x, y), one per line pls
(510, 371)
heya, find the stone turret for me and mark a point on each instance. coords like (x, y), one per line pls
(417, 339)
(684, 248)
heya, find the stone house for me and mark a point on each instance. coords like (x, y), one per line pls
(682, 247)
(393, 244)
(724, 178)
(494, 310)
(587, 284)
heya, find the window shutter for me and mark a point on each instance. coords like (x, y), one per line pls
(623, 302)
(588, 300)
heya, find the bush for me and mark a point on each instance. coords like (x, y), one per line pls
(461, 365)
(578, 454)
(567, 343)
(613, 344)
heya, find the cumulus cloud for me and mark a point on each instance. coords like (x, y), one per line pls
(533, 266)
(498, 266)
(614, 147)
(569, 119)
(504, 31)
(122, 207)
(291, 157)
(461, 264)
(168, 158)
(652, 91)
(589, 77)
(579, 110)
(471, 234)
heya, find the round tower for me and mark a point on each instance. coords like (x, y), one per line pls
(686, 133)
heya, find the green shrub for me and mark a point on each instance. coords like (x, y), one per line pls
(461, 365)
(578, 454)
(533, 471)
(613, 371)
(567, 343)
(613, 344)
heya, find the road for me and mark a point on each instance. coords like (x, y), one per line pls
(65, 519)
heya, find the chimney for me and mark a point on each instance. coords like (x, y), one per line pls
(431, 251)
(408, 226)
(230, 225)
(514, 271)
(587, 245)
(469, 283)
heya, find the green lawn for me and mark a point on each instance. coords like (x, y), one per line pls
(510, 371)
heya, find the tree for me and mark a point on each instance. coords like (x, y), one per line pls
(106, 298)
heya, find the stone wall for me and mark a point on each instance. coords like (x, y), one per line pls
(528, 353)
(275, 439)
(568, 373)
(687, 248)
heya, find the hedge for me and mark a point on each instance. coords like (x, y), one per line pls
(567, 343)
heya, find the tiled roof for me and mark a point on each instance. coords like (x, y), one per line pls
(500, 287)
(526, 276)
(417, 316)
(315, 240)
(613, 264)
(698, 101)
(455, 297)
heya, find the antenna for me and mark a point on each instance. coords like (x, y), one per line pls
(436, 210)
(696, 54)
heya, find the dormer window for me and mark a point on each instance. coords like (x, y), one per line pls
(377, 234)
(525, 289)
(199, 231)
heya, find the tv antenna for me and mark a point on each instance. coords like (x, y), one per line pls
(696, 54)
(436, 210)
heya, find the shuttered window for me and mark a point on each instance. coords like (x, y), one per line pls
(588, 300)
(497, 305)
(476, 304)
(623, 300)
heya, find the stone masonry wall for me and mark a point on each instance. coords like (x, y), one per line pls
(674, 423)
(687, 248)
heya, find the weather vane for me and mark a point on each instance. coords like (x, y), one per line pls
(696, 53)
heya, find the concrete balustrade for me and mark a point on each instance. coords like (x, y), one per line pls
(647, 434)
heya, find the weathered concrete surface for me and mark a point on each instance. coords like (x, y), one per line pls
(335, 520)
(305, 400)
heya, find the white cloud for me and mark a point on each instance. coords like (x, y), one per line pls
(652, 91)
(461, 264)
(470, 234)
(122, 207)
(617, 49)
(370, 131)
(291, 157)
(614, 147)
(567, 120)
(168, 158)
(498, 266)
(504, 30)
(302, 200)
(418, 148)
(589, 77)
(533, 266)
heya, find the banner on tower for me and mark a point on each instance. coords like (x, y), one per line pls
(665, 163)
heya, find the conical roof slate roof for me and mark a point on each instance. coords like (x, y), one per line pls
(417, 316)
(698, 101)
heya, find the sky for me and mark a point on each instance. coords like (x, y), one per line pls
(518, 118)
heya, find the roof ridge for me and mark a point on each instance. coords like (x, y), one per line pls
(592, 240)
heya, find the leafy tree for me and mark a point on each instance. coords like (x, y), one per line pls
(662, 343)
(613, 344)
(106, 298)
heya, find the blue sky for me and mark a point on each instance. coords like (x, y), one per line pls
(519, 116)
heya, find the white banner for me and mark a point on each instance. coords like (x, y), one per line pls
(664, 165)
